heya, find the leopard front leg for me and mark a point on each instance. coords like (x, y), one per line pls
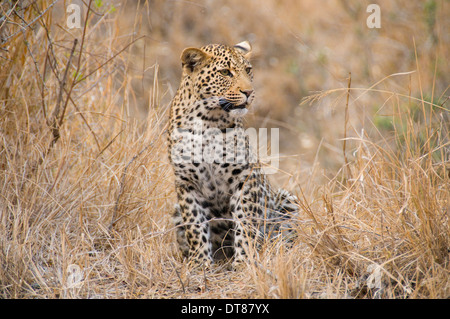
(246, 233)
(196, 226)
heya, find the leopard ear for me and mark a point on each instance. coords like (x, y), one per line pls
(245, 48)
(191, 58)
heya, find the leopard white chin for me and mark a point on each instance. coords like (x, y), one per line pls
(238, 112)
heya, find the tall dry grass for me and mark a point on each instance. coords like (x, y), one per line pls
(86, 188)
(82, 182)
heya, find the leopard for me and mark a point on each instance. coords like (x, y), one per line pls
(224, 207)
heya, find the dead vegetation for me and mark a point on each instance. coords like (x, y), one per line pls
(86, 189)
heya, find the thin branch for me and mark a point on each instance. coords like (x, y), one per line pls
(56, 119)
(179, 278)
(55, 72)
(35, 64)
(74, 82)
(85, 121)
(345, 126)
(44, 110)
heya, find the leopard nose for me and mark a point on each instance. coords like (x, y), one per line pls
(247, 93)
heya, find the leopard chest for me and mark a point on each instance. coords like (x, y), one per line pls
(212, 183)
(206, 179)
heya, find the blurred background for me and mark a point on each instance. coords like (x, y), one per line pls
(300, 48)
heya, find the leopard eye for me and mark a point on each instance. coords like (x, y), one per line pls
(248, 70)
(226, 72)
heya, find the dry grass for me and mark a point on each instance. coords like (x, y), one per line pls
(86, 189)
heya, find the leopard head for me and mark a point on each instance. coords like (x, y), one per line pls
(221, 74)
